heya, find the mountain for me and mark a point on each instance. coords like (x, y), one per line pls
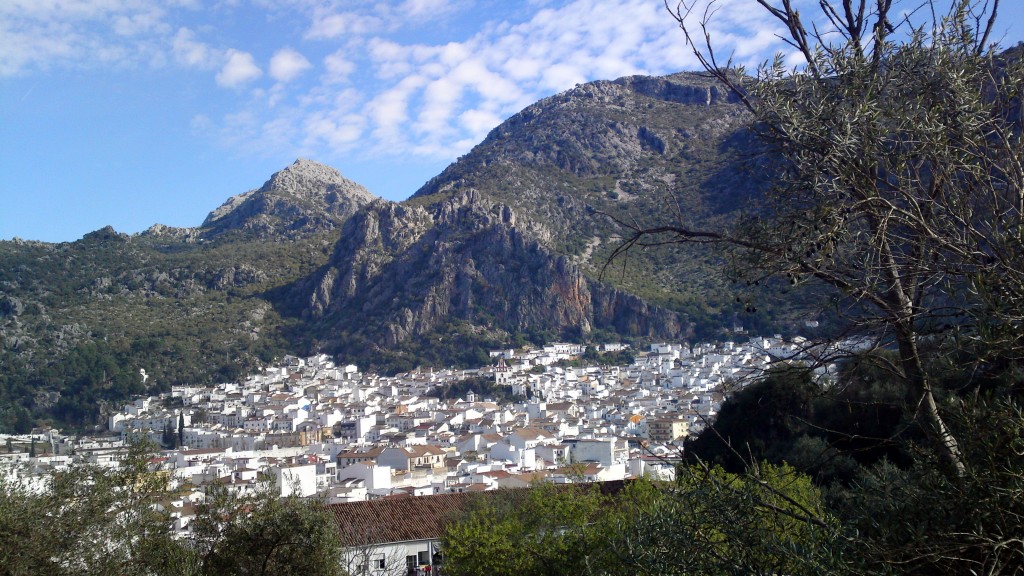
(304, 198)
(406, 274)
(508, 244)
(514, 236)
(512, 239)
(638, 149)
(79, 320)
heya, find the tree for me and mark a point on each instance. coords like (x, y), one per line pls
(917, 520)
(769, 520)
(181, 430)
(546, 529)
(264, 534)
(785, 417)
(102, 521)
(167, 438)
(895, 157)
(89, 520)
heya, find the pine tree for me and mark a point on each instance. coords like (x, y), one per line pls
(181, 430)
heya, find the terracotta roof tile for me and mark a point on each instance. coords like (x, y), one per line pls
(407, 518)
(397, 519)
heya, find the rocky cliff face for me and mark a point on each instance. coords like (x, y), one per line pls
(304, 198)
(512, 237)
(400, 272)
(637, 149)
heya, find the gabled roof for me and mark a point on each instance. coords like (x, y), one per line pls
(397, 519)
(531, 433)
(408, 518)
(419, 450)
(368, 454)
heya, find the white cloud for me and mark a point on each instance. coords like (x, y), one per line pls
(338, 68)
(465, 88)
(560, 77)
(287, 64)
(426, 96)
(390, 59)
(140, 23)
(43, 34)
(63, 9)
(21, 50)
(389, 111)
(420, 8)
(192, 53)
(239, 69)
(479, 122)
(329, 25)
(438, 98)
(439, 102)
(523, 68)
(328, 20)
(340, 132)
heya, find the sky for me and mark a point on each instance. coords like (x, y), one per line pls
(135, 112)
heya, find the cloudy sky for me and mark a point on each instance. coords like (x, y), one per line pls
(134, 112)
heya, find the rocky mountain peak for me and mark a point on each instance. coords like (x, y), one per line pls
(104, 234)
(306, 197)
(310, 179)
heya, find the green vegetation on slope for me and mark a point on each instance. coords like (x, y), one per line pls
(79, 320)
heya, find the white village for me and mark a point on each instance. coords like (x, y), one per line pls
(368, 445)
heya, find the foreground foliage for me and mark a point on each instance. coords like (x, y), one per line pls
(894, 152)
(922, 520)
(771, 518)
(103, 521)
(709, 522)
(546, 530)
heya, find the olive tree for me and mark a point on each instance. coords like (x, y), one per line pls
(97, 520)
(546, 529)
(895, 163)
(261, 533)
(88, 520)
(769, 520)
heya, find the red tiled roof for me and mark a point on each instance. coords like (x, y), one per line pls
(531, 433)
(397, 519)
(426, 449)
(408, 518)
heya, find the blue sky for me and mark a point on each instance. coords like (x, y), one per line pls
(136, 112)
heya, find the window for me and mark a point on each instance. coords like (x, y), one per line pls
(380, 562)
(410, 561)
(424, 557)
